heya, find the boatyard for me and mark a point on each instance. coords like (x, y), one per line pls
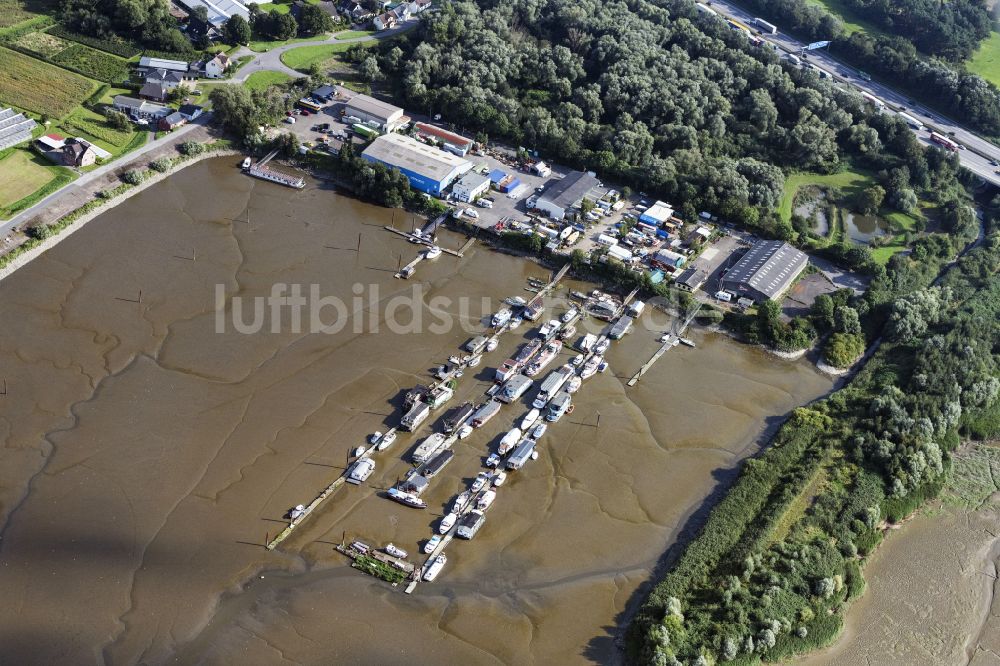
(200, 447)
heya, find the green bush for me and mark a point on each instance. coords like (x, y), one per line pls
(843, 349)
(162, 165)
(133, 176)
(191, 148)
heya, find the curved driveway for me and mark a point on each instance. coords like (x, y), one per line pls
(270, 61)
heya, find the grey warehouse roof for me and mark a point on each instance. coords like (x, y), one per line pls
(407, 153)
(572, 188)
(374, 107)
(769, 267)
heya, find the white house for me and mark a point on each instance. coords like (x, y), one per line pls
(217, 66)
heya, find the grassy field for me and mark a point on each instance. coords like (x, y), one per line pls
(13, 12)
(94, 124)
(305, 57)
(93, 63)
(849, 182)
(986, 60)
(37, 86)
(26, 178)
(42, 43)
(262, 46)
(20, 175)
(261, 80)
(353, 34)
(852, 22)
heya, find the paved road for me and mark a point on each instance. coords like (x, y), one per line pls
(68, 190)
(270, 61)
(980, 151)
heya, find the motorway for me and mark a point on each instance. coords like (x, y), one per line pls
(976, 153)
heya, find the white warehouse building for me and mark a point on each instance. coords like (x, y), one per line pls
(470, 187)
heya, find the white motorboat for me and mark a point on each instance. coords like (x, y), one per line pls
(687, 342)
(569, 314)
(374, 437)
(587, 342)
(577, 360)
(386, 440)
(246, 163)
(486, 499)
(358, 451)
(433, 252)
(409, 499)
(515, 301)
(549, 328)
(511, 439)
(501, 317)
(447, 523)
(492, 344)
(473, 361)
(481, 479)
(530, 418)
(539, 430)
(602, 346)
(493, 460)
(465, 431)
(574, 384)
(395, 551)
(499, 479)
(515, 322)
(534, 454)
(460, 501)
(589, 368)
(416, 236)
(567, 333)
(297, 512)
(603, 366)
(432, 543)
(435, 567)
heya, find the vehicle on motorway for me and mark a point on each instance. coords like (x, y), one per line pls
(768, 28)
(944, 142)
(911, 121)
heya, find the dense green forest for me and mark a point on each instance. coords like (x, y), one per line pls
(655, 97)
(145, 22)
(953, 35)
(769, 573)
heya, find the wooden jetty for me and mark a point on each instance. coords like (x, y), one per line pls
(261, 170)
(425, 241)
(669, 343)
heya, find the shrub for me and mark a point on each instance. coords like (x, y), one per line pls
(162, 165)
(133, 176)
(39, 232)
(843, 349)
(191, 148)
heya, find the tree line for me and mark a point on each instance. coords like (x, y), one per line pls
(951, 31)
(146, 22)
(656, 97)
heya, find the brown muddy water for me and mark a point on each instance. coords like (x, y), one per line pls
(146, 457)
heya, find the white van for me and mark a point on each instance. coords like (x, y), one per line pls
(723, 296)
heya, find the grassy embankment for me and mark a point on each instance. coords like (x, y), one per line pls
(262, 80)
(842, 188)
(986, 60)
